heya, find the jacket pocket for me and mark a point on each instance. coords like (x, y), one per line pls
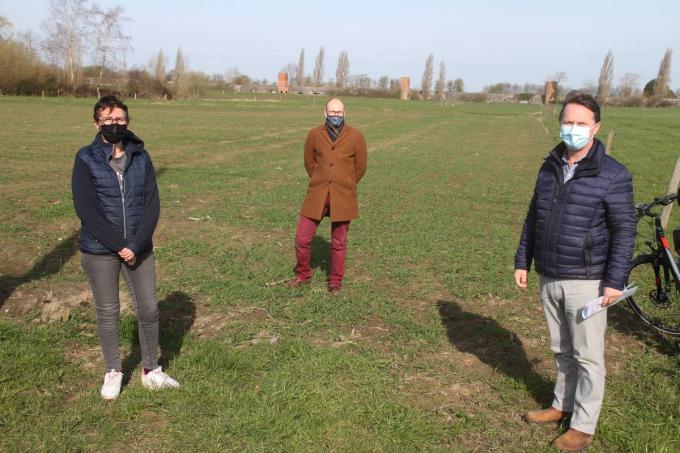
(588, 253)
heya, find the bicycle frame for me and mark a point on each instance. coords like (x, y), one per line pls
(663, 255)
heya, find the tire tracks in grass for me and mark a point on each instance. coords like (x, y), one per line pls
(411, 135)
(278, 141)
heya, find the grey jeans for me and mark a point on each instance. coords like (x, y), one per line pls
(103, 272)
(578, 346)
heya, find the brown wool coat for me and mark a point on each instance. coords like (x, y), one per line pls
(334, 168)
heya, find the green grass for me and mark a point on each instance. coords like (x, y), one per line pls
(430, 347)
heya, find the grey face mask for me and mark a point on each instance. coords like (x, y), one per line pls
(335, 121)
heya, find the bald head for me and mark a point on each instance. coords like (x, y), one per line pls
(335, 107)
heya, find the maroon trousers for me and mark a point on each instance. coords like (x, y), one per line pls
(303, 248)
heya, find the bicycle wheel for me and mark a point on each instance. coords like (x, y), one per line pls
(659, 309)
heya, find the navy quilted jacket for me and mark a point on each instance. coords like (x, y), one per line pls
(582, 229)
(113, 218)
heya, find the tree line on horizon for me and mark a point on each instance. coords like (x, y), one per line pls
(79, 31)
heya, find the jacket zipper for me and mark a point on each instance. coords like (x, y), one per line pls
(121, 185)
(587, 253)
(121, 181)
(560, 186)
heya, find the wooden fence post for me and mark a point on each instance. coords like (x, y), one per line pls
(672, 188)
(610, 140)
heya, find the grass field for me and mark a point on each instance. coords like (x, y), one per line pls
(430, 347)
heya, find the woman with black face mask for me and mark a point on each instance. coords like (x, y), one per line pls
(116, 198)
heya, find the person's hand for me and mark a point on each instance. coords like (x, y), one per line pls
(610, 295)
(126, 254)
(521, 276)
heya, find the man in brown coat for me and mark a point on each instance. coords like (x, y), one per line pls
(335, 160)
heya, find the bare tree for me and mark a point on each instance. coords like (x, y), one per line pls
(558, 77)
(5, 28)
(604, 83)
(629, 84)
(300, 70)
(384, 83)
(29, 40)
(361, 82)
(158, 66)
(427, 77)
(590, 88)
(232, 74)
(179, 76)
(458, 85)
(342, 70)
(109, 39)
(319, 68)
(441, 82)
(664, 76)
(65, 30)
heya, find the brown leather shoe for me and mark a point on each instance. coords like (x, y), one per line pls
(296, 283)
(549, 415)
(573, 440)
(334, 290)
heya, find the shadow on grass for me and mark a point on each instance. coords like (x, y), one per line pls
(321, 254)
(177, 316)
(494, 345)
(49, 264)
(622, 319)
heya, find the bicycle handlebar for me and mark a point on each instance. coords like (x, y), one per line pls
(645, 209)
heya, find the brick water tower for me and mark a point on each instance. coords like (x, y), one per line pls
(405, 83)
(282, 83)
(550, 92)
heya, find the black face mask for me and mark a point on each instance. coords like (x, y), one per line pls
(113, 133)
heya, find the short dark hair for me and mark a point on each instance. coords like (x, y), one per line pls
(109, 102)
(584, 99)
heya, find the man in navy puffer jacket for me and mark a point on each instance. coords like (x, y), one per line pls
(580, 234)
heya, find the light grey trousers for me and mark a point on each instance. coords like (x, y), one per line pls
(578, 346)
(103, 272)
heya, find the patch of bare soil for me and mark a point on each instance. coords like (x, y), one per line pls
(54, 302)
(209, 324)
(371, 332)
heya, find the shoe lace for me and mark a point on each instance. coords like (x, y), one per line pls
(112, 374)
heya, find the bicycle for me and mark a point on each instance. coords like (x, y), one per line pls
(657, 301)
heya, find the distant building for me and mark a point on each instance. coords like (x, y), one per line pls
(282, 83)
(405, 83)
(550, 91)
(497, 98)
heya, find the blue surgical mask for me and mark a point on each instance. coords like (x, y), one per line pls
(575, 137)
(335, 121)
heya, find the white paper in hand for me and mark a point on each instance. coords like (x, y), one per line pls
(594, 306)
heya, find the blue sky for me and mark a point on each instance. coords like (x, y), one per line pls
(482, 42)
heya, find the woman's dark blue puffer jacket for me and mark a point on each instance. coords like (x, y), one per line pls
(111, 218)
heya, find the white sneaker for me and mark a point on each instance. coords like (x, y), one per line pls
(113, 380)
(156, 379)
